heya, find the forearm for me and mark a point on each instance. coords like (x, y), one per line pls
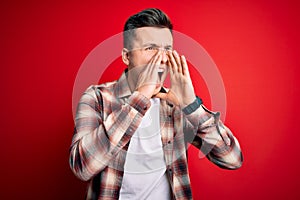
(213, 138)
(90, 154)
(227, 154)
(96, 140)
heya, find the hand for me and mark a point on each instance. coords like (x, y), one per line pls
(148, 82)
(181, 92)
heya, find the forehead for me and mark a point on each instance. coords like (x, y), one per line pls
(153, 35)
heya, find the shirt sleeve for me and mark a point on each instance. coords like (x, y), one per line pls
(205, 130)
(97, 141)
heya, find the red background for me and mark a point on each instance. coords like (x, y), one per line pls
(255, 45)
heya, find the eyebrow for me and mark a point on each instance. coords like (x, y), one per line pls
(155, 45)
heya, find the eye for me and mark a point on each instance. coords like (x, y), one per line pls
(168, 48)
(150, 48)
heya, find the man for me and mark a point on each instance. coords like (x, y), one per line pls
(131, 135)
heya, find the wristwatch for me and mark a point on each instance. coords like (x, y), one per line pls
(193, 106)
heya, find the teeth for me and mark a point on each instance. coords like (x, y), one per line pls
(160, 70)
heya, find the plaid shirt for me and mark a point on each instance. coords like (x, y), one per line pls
(107, 117)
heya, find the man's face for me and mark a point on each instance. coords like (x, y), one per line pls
(146, 43)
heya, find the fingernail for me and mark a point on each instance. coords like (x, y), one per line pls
(183, 57)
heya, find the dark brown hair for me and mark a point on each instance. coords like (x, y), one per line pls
(151, 17)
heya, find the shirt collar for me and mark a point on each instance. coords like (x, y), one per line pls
(122, 88)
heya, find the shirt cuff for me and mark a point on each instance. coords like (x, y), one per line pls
(139, 102)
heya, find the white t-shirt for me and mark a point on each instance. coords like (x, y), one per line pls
(145, 168)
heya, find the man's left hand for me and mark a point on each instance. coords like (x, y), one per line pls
(181, 92)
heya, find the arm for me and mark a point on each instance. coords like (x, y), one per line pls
(97, 141)
(215, 140)
(202, 127)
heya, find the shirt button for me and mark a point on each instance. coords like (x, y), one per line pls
(170, 116)
(169, 142)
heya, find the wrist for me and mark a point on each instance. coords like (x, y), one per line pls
(145, 92)
(148, 91)
(188, 101)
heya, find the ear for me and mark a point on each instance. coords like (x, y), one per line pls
(125, 56)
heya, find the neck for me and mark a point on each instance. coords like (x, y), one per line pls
(131, 82)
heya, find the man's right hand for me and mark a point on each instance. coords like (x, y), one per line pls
(148, 83)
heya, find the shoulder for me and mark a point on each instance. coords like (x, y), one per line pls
(105, 89)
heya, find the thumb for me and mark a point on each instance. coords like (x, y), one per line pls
(161, 95)
(168, 97)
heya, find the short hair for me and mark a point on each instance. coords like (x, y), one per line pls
(151, 17)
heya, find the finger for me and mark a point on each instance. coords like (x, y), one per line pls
(170, 96)
(156, 63)
(161, 95)
(153, 73)
(155, 57)
(185, 69)
(149, 73)
(178, 61)
(169, 62)
(151, 67)
(148, 67)
(159, 58)
(173, 63)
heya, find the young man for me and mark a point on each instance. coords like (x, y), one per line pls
(131, 135)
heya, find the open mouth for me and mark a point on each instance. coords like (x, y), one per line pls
(160, 72)
(160, 75)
